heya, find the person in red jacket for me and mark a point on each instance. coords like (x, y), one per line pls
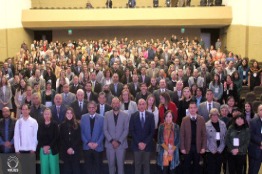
(165, 105)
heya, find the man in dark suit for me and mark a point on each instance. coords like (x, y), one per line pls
(58, 110)
(96, 87)
(117, 69)
(7, 127)
(143, 78)
(142, 127)
(75, 85)
(93, 139)
(116, 87)
(205, 107)
(78, 68)
(79, 105)
(162, 88)
(171, 84)
(134, 86)
(255, 145)
(102, 107)
(37, 109)
(29, 71)
(89, 94)
(143, 92)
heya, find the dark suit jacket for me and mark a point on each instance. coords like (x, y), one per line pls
(28, 73)
(132, 89)
(254, 150)
(67, 140)
(147, 80)
(107, 108)
(139, 95)
(77, 109)
(119, 89)
(74, 89)
(157, 94)
(11, 129)
(62, 113)
(98, 87)
(176, 97)
(76, 72)
(93, 96)
(124, 79)
(140, 134)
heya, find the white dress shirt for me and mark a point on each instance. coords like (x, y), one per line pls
(25, 135)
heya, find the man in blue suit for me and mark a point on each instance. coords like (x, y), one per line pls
(92, 138)
(58, 110)
(142, 127)
(255, 145)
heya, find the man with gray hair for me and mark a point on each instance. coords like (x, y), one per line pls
(80, 104)
(58, 109)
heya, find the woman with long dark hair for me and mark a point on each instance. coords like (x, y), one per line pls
(254, 75)
(70, 140)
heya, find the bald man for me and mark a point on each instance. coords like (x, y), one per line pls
(7, 126)
(116, 124)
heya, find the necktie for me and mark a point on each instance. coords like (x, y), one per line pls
(193, 118)
(143, 79)
(209, 107)
(142, 120)
(102, 110)
(116, 88)
(93, 86)
(88, 96)
(65, 96)
(81, 106)
(58, 111)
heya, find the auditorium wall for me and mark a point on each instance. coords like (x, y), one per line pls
(132, 33)
(12, 33)
(243, 36)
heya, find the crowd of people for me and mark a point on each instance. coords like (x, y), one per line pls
(62, 100)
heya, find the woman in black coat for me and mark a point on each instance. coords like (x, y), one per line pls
(70, 140)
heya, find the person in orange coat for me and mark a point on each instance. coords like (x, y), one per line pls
(165, 105)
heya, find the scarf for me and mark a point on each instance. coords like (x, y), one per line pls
(169, 136)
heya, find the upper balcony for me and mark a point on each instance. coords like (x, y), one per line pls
(124, 17)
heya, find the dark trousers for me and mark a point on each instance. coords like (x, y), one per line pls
(71, 165)
(166, 170)
(236, 163)
(142, 158)
(93, 162)
(214, 163)
(254, 165)
(192, 156)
